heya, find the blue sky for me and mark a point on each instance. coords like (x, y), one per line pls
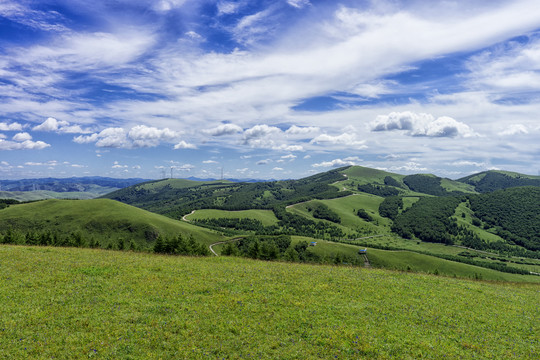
(267, 89)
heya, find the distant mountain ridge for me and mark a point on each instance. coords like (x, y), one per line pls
(72, 184)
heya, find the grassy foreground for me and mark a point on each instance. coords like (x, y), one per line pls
(82, 303)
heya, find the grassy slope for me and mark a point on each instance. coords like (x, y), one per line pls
(368, 175)
(101, 218)
(74, 303)
(174, 183)
(407, 260)
(451, 185)
(267, 217)
(345, 207)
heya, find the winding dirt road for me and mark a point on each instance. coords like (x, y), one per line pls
(222, 242)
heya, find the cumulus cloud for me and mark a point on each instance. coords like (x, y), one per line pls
(24, 145)
(289, 157)
(145, 136)
(51, 124)
(338, 162)
(262, 136)
(345, 139)
(24, 136)
(10, 127)
(421, 125)
(224, 129)
(112, 138)
(117, 165)
(514, 129)
(184, 145)
(259, 131)
(61, 126)
(139, 136)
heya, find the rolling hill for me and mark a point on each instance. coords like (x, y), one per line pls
(101, 220)
(492, 180)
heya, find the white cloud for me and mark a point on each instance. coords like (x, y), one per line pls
(298, 3)
(298, 130)
(22, 136)
(469, 163)
(277, 169)
(227, 7)
(345, 139)
(184, 145)
(4, 163)
(264, 162)
(145, 136)
(117, 165)
(111, 138)
(209, 162)
(10, 127)
(193, 35)
(409, 166)
(338, 162)
(51, 124)
(514, 129)
(259, 131)
(421, 125)
(289, 157)
(139, 136)
(224, 129)
(48, 163)
(25, 145)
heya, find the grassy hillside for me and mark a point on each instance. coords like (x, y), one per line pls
(492, 180)
(75, 303)
(266, 217)
(101, 219)
(176, 198)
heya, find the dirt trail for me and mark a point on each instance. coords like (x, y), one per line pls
(186, 219)
(222, 242)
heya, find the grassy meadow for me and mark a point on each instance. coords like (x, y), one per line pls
(266, 217)
(81, 303)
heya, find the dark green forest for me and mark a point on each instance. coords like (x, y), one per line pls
(515, 213)
(492, 181)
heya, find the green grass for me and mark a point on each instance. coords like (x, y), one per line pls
(175, 184)
(451, 185)
(346, 208)
(267, 217)
(103, 219)
(364, 175)
(411, 261)
(76, 303)
(467, 222)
